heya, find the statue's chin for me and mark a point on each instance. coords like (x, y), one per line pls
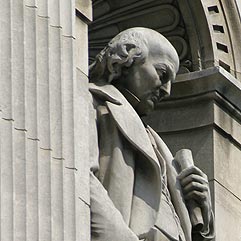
(144, 107)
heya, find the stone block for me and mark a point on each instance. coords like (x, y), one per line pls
(31, 190)
(57, 219)
(81, 45)
(54, 13)
(6, 180)
(181, 115)
(5, 60)
(227, 214)
(19, 184)
(17, 65)
(43, 8)
(30, 3)
(82, 221)
(225, 120)
(44, 194)
(209, 80)
(82, 145)
(30, 73)
(55, 96)
(85, 8)
(199, 140)
(67, 76)
(67, 17)
(227, 163)
(69, 201)
(43, 82)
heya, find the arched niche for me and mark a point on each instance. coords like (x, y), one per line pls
(204, 33)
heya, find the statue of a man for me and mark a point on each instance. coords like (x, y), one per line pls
(136, 191)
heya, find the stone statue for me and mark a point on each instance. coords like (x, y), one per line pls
(137, 189)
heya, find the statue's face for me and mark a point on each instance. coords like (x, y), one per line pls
(149, 81)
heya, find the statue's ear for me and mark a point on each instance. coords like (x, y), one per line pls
(133, 53)
(97, 68)
(129, 47)
(119, 56)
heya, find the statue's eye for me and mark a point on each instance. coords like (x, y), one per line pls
(129, 47)
(163, 75)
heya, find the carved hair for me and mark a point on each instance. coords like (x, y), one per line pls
(122, 51)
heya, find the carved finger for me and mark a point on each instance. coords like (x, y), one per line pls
(196, 195)
(191, 170)
(195, 186)
(193, 178)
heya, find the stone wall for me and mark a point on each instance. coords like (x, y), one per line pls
(44, 193)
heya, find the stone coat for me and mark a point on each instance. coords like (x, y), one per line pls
(130, 161)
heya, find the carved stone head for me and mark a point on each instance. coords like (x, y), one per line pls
(141, 63)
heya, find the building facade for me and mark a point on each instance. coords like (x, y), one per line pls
(46, 47)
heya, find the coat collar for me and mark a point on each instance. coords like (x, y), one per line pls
(126, 118)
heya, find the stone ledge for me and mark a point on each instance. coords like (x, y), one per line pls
(208, 80)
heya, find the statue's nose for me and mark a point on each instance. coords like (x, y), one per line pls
(165, 89)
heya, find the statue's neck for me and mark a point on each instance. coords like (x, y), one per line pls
(131, 98)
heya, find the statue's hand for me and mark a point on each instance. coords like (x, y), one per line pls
(195, 187)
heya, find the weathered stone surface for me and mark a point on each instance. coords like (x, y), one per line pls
(227, 214)
(227, 162)
(67, 17)
(228, 121)
(81, 46)
(199, 140)
(55, 13)
(17, 65)
(42, 61)
(6, 139)
(55, 91)
(83, 227)
(19, 184)
(30, 74)
(5, 61)
(82, 147)
(180, 115)
(44, 194)
(32, 220)
(85, 8)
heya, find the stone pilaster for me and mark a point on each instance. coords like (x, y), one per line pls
(42, 114)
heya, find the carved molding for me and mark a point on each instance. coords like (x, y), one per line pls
(110, 18)
(200, 30)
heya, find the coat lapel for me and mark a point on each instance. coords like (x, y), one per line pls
(127, 120)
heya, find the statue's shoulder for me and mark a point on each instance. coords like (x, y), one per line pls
(106, 92)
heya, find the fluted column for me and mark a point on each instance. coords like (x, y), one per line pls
(44, 121)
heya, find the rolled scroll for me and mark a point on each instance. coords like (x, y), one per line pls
(185, 160)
